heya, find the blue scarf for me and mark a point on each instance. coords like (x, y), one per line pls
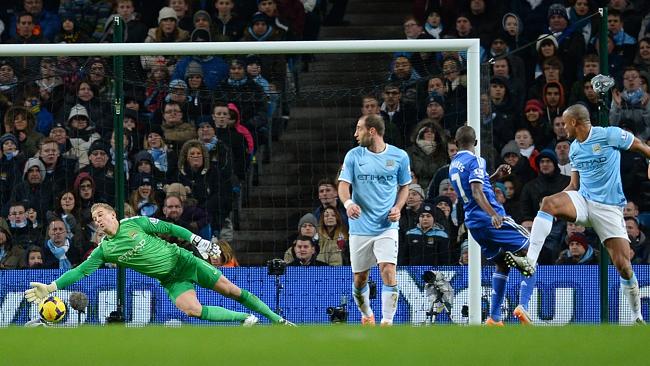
(159, 158)
(211, 144)
(241, 82)
(3, 253)
(433, 31)
(587, 256)
(263, 37)
(59, 253)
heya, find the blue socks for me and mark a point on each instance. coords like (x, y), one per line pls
(498, 293)
(526, 290)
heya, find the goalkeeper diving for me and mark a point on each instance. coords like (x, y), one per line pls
(133, 243)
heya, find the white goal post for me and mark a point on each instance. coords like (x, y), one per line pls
(472, 47)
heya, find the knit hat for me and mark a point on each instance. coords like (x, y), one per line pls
(7, 62)
(510, 148)
(143, 155)
(443, 185)
(546, 153)
(78, 110)
(237, 61)
(167, 13)
(200, 35)
(8, 137)
(259, 17)
(80, 178)
(194, 68)
(435, 98)
(307, 219)
(534, 104)
(35, 162)
(202, 14)
(141, 179)
(557, 9)
(426, 207)
(177, 83)
(544, 38)
(130, 113)
(580, 238)
(253, 59)
(499, 80)
(177, 189)
(59, 125)
(99, 145)
(417, 188)
(438, 199)
(500, 186)
(156, 129)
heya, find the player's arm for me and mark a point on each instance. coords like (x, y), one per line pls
(502, 171)
(40, 291)
(574, 183)
(641, 148)
(352, 209)
(484, 204)
(158, 227)
(402, 196)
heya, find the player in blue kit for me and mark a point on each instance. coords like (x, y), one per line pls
(594, 197)
(379, 175)
(486, 220)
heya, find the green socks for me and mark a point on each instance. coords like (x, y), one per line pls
(219, 314)
(254, 303)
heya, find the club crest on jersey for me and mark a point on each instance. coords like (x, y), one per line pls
(133, 234)
(153, 220)
(596, 148)
(390, 163)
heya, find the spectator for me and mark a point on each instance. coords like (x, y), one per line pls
(512, 194)
(571, 45)
(67, 207)
(526, 146)
(22, 231)
(538, 126)
(212, 68)
(176, 131)
(8, 84)
(370, 105)
(69, 32)
(307, 227)
(631, 209)
(12, 256)
(520, 166)
(332, 238)
(32, 190)
(227, 258)
(546, 47)
(579, 252)
(554, 99)
(254, 72)
(631, 104)
(34, 257)
(427, 243)
(275, 66)
(167, 31)
(562, 153)
(46, 23)
(622, 40)
(590, 65)
(225, 131)
(59, 133)
(60, 170)
(328, 196)
(142, 197)
(99, 112)
(21, 122)
(411, 210)
(504, 114)
(82, 134)
(403, 116)
(403, 73)
(164, 158)
(228, 24)
(455, 94)
(11, 163)
(101, 169)
(156, 87)
(44, 118)
(513, 31)
(505, 67)
(25, 34)
(638, 241)
(49, 90)
(58, 251)
(427, 153)
(642, 59)
(552, 69)
(305, 253)
(559, 133)
(136, 30)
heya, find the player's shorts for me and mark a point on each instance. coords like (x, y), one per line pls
(189, 270)
(510, 237)
(366, 251)
(606, 220)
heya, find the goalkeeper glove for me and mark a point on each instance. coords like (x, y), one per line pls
(205, 247)
(39, 291)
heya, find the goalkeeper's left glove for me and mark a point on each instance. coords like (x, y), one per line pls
(205, 247)
(39, 291)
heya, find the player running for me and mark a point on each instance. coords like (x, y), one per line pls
(486, 220)
(133, 243)
(379, 175)
(594, 197)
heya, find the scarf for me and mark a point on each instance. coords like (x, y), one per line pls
(585, 257)
(10, 85)
(3, 253)
(59, 253)
(527, 151)
(11, 155)
(211, 144)
(159, 158)
(263, 37)
(433, 31)
(427, 146)
(19, 226)
(534, 3)
(241, 82)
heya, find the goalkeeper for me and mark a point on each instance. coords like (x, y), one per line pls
(133, 243)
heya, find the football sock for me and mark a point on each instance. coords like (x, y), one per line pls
(498, 292)
(362, 299)
(254, 303)
(526, 290)
(389, 297)
(541, 228)
(219, 314)
(631, 290)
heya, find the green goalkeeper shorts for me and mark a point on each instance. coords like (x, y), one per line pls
(190, 270)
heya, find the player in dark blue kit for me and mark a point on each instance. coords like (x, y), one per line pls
(486, 220)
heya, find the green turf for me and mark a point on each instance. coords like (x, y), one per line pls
(326, 345)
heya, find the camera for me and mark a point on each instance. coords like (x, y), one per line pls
(439, 292)
(276, 267)
(339, 314)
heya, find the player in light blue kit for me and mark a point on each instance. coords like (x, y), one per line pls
(379, 175)
(486, 220)
(594, 197)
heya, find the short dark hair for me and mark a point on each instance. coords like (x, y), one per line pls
(376, 122)
(465, 136)
(326, 181)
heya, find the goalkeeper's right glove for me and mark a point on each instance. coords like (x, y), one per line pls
(39, 291)
(205, 247)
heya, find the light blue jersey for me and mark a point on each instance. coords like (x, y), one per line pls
(464, 169)
(598, 161)
(375, 179)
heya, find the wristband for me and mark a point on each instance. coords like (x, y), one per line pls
(348, 203)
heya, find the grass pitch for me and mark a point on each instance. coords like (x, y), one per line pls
(325, 345)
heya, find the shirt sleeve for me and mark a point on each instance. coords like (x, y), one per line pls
(476, 170)
(619, 138)
(154, 226)
(404, 177)
(86, 268)
(347, 170)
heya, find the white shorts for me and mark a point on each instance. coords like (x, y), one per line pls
(606, 220)
(366, 251)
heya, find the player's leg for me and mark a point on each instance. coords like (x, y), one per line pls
(499, 281)
(361, 259)
(618, 251)
(526, 288)
(250, 301)
(190, 305)
(385, 250)
(563, 205)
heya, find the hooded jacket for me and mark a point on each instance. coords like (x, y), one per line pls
(424, 164)
(542, 186)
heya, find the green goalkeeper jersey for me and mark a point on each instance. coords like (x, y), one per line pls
(135, 246)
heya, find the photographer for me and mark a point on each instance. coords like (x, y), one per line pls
(631, 104)
(428, 242)
(305, 253)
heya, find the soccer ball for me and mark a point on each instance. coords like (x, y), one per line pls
(52, 309)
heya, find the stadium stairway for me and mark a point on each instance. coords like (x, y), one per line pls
(319, 133)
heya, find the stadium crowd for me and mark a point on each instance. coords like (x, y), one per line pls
(194, 124)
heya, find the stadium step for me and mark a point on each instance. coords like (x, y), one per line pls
(353, 32)
(314, 111)
(334, 132)
(261, 240)
(297, 169)
(269, 218)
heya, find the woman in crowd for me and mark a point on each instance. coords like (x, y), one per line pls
(332, 238)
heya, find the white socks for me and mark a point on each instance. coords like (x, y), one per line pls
(541, 228)
(362, 299)
(631, 290)
(389, 297)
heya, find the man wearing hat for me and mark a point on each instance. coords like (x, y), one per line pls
(410, 212)
(101, 169)
(32, 190)
(220, 153)
(505, 116)
(426, 244)
(213, 69)
(579, 252)
(11, 161)
(436, 108)
(82, 134)
(246, 94)
(571, 47)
